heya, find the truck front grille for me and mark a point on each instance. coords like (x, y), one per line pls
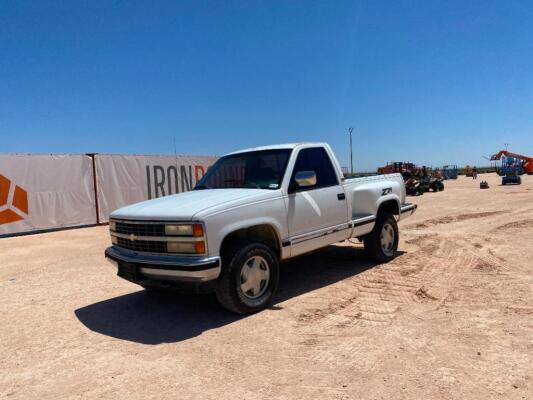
(147, 246)
(140, 229)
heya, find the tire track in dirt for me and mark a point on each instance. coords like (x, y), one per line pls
(428, 274)
(453, 218)
(437, 274)
(377, 296)
(381, 291)
(457, 286)
(524, 224)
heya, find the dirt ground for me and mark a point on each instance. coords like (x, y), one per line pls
(450, 318)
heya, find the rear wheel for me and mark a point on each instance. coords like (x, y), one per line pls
(249, 279)
(382, 243)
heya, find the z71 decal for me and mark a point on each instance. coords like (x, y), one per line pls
(386, 191)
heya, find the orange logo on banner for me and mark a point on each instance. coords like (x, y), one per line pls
(19, 203)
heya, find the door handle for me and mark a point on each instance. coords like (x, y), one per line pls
(341, 196)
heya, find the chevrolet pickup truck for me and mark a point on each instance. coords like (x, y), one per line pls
(253, 209)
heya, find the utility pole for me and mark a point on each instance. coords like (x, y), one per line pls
(350, 130)
(506, 145)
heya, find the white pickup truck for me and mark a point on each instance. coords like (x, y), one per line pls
(251, 210)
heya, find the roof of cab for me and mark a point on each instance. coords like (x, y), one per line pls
(278, 146)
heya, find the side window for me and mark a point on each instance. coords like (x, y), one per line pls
(315, 159)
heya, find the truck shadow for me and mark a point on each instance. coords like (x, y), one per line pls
(153, 319)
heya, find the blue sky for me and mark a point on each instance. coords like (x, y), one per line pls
(433, 82)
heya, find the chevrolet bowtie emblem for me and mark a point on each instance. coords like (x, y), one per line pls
(132, 237)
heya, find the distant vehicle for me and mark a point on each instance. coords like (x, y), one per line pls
(418, 180)
(251, 210)
(400, 167)
(510, 170)
(449, 172)
(469, 171)
(432, 183)
(527, 162)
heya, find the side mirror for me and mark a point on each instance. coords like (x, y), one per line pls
(305, 178)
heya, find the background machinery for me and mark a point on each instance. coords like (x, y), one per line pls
(512, 166)
(449, 172)
(418, 180)
(525, 161)
(398, 167)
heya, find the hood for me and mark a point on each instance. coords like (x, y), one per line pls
(184, 206)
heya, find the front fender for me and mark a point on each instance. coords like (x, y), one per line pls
(271, 213)
(237, 225)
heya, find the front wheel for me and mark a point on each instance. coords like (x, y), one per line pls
(249, 279)
(382, 243)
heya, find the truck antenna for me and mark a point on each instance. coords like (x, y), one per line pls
(175, 153)
(350, 130)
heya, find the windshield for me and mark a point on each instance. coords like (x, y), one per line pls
(254, 170)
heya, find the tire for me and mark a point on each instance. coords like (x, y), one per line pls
(262, 266)
(373, 242)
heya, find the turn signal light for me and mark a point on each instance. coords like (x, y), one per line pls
(199, 247)
(197, 230)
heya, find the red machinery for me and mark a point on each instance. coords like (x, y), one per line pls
(527, 162)
(399, 167)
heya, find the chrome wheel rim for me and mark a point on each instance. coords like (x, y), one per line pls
(255, 276)
(387, 239)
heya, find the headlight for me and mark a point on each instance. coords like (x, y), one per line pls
(186, 247)
(112, 226)
(114, 240)
(195, 230)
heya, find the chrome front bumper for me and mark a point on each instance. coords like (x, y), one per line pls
(165, 267)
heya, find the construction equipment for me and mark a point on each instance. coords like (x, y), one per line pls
(469, 171)
(512, 166)
(431, 183)
(483, 185)
(511, 170)
(527, 162)
(511, 179)
(449, 172)
(413, 187)
(418, 180)
(398, 167)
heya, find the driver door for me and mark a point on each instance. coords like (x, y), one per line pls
(317, 214)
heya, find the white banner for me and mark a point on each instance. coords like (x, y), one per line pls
(124, 179)
(40, 192)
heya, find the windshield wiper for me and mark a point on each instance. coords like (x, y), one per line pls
(254, 184)
(202, 186)
(245, 185)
